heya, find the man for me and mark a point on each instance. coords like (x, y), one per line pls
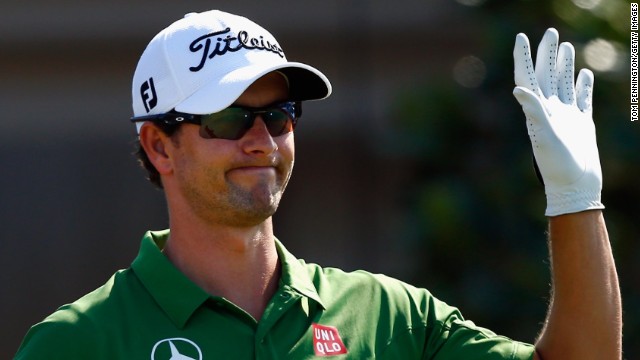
(215, 104)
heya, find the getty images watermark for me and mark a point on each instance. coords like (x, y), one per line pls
(634, 61)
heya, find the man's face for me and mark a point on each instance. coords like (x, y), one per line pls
(236, 182)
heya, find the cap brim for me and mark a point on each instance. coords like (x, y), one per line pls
(305, 83)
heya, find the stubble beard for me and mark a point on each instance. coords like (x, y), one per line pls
(253, 206)
(237, 205)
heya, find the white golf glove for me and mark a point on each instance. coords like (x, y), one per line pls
(560, 124)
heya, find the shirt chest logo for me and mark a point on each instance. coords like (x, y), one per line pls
(176, 349)
(327, 341)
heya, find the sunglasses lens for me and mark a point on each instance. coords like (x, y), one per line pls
(230, 124)
(233, 122)
(278, 122)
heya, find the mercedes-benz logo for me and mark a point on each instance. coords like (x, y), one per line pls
(176, 349)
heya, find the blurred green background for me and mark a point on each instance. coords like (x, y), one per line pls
(419, 165)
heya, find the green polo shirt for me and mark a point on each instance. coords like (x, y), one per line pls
(152, 311)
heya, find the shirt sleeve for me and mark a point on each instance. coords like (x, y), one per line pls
(423, 327)
(58, 338)
(461, 339)
(450, 336)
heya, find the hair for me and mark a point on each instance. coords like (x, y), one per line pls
(143, 159)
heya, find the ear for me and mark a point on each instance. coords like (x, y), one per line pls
(158, 147)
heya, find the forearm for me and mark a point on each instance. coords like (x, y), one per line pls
(585, 313)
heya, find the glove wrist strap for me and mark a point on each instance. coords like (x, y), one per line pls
(572, 202)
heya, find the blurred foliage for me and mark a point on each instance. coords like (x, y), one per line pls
(479, 205)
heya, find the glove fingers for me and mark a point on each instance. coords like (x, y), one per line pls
(524, 74)
(584, 90)
(546, 62)
(566, 56)
(532, 106)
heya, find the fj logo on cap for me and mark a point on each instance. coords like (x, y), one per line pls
(176, 349)
(327, 341)
(229, 43)
(148, 94)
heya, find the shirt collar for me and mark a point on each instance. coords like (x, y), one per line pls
(179, 297)
(296, 275)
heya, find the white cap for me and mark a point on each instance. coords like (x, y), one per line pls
(202, 63)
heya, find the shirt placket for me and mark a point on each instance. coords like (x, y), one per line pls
(279, 305)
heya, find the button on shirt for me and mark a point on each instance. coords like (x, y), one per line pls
(153, 311)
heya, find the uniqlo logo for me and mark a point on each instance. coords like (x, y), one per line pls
(327, 341)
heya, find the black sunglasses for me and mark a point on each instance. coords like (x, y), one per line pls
(233, 122)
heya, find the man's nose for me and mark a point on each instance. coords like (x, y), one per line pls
(257, 139)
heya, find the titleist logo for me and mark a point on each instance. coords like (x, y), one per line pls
(229, 44)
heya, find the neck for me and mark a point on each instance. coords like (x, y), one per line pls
(239, 264)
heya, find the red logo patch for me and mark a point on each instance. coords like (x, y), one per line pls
(327, 341)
